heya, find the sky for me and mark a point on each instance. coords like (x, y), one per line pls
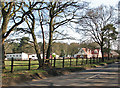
(93, 3)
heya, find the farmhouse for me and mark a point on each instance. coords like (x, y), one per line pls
(83, 53)
(96, 53)
(87, 53)
(17, 56)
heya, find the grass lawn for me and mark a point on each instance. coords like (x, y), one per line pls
(16, 68)
(58, 64)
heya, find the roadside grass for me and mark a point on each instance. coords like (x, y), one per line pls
(58, 64)
(21, 72)
(24, 69)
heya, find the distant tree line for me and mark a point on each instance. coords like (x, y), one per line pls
(61, 49)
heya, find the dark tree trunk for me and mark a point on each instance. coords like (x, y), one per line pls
(49, 46)
(50, 38)
(37, 50)
(108, 50)
(43, 40)
(4, 29)
(102, 53)
(3, 57)
(43, 46)
(41, 17)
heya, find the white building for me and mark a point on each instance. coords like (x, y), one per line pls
(34, 56)
(17, 56)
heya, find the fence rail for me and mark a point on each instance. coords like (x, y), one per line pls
(58, 63)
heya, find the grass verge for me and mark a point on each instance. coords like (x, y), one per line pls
(27, 75)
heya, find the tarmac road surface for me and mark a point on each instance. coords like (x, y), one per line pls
(101, 76)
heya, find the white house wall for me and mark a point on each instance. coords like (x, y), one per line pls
(33, 56)
(100, 54)
(24, 56)
(17, 56)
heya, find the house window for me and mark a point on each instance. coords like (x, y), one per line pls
(13, 55)
(10, 55)
(16, 55)
(95, 51)
(20, 55)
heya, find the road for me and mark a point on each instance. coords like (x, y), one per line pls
(101, 76)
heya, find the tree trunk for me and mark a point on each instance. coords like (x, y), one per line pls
(43, 38)
(41, 17)
(3, 58)
(108, 50)
(43, 44)
(37, 50)
(102, 53)
(4, 29)
(49, 46)
(50, 38)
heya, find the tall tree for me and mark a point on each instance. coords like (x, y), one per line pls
(8, 10)
(110, 33)
(12, 11)
(43, 36)
(59, 14)
(30, 19)
(94, 20)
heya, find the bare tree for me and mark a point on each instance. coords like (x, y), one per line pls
(41, 24)
(59, 14)
(93, 22)
(8, 11)
(12, 11)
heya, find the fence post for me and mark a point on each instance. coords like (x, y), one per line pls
(90, 60)
(86, 60)
(12, 65)
(29, 63)
(51, 61)
(93, 60)
(76, 60)
(70, 61)
(63, 62)
(82, 61)
(97, 59)
(54, 61)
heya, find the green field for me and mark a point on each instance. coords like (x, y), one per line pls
(8, 68)
(58, 64)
